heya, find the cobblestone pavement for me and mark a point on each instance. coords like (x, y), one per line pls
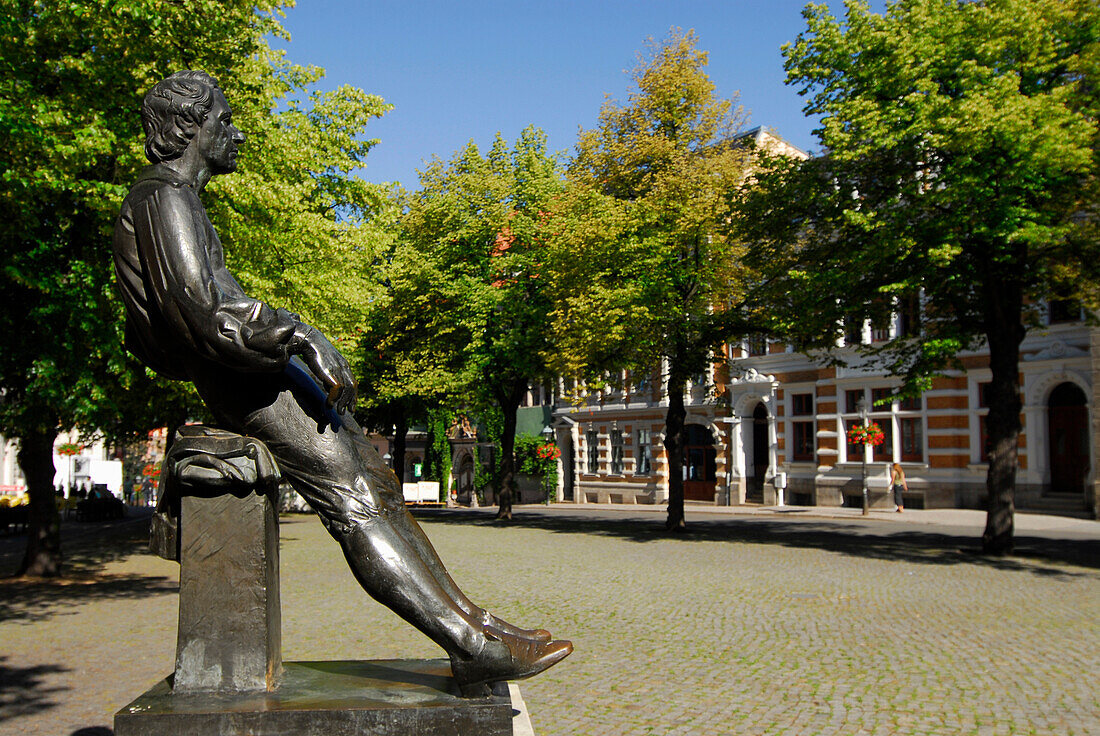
(744, 625)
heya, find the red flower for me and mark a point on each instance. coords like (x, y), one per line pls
(870, 434)
(548, 452)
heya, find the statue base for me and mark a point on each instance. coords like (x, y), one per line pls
(382, 698)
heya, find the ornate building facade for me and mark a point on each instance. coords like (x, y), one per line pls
(769, 425)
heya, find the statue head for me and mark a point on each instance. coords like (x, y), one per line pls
(174, 110)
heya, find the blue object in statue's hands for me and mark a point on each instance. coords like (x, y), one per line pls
(330, 368)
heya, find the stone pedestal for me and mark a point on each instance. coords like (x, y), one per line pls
(229, 623)
(229, 678)
(382, 698)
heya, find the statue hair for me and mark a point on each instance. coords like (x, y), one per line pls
(173, 111)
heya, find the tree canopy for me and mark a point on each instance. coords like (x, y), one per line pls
(71, 141)
(465, 317)
(959, 166)
(645, 270)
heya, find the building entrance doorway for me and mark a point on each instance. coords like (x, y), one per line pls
(757, 456)
(465, 480)
(700, 464)
(1068, 433)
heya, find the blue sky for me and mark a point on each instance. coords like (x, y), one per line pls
(461, 71)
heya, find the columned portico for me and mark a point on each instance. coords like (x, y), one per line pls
(754, 461)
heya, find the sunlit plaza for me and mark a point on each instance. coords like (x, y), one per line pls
(764, 623)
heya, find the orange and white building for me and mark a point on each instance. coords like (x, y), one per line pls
(769, 426)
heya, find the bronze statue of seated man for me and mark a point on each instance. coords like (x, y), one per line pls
(263, 373)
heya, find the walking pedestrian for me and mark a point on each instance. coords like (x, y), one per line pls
(897, 481)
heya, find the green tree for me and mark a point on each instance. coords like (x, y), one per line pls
(645, 271)
(466, 313)
(410, 353)
(304, 231)
(961, 156)
(71, 142)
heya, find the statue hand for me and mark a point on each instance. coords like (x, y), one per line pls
(331, 368)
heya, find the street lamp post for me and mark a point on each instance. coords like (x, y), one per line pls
(547, 435)
(864, 418)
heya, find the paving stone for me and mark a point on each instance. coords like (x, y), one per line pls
(735, 629)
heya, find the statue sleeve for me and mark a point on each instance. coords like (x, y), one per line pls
(225, 326)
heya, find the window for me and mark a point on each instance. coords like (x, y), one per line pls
(855, 449)
(593, 442)
(883, 395)
(853, 331)
(803, 441)
(643, 454)
(983, 395)
(983, 440)
(803, 431)
(880, 328)
(885, 451)
(1063, 310)
(535, 395)
(851, 401)
(912, 440)
(910, 429)
(909, 316)
(910, 403)
(616, 452)
(757, 344)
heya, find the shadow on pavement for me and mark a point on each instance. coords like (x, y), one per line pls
(22, 690)
(93, 731)
(87, 549)
(1033, 554)
(36, 599)
(85, 544)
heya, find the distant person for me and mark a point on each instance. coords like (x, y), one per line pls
(897, 482)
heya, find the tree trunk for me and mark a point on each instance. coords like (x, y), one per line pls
(506, 487)
(1004, 332)
(43, 555)
(400, 437)
(674, 448)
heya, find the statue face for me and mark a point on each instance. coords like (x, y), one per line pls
(218, 138)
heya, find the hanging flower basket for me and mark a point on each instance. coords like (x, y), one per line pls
(869, 434)
(548, 452)
(151, 471)
(69, 448)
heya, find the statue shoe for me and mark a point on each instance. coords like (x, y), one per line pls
(505, 657)
(500, 624)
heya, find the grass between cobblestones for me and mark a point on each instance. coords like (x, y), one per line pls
(739, 627)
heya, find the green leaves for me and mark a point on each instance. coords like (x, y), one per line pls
(641, 251)
(464, 317)
(298, 228)
(960, 150)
